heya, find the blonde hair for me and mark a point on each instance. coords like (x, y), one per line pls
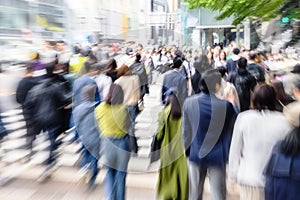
(292, 113)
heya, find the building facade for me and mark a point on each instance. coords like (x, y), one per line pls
(85, 20)
(24, 19)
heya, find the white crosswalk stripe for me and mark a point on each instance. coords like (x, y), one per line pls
(13, 152)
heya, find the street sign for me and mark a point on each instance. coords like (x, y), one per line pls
(285, 20)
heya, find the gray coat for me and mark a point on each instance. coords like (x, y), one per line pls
(175, 80)
(85, 122)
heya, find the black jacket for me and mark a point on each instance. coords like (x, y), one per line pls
(24, 86)
(196, 78)
(45, 103)
(244, 83)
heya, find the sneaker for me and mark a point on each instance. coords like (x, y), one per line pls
(70, 130)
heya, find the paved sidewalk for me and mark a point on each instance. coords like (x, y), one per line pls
(66, 184)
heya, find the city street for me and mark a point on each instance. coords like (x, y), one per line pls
(178, 47)
(20, 178)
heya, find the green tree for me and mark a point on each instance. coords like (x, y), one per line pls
(254, 9)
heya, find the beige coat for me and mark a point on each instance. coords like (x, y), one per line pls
(131, 88)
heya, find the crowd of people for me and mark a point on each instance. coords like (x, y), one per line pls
(225, 113)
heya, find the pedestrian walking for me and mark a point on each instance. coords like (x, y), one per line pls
(173, 79)
(200, 66)
(138, 68)
(89, 135)
(114, 123)
(112, 71)
(130, 85)
(46, 104)
(244, 83)
(231, 63)
(149, 66)
(282, 171)
(228, 91)
(255, 134)
(24, 86)
(63, 56)
(221, 62)
(207, 129)
(173, 173)
(103, 81)
(79, 83)
(255, 69)
(290, 78)
(282, 99)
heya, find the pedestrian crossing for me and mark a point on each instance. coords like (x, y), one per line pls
(13, 145)
(13, 151)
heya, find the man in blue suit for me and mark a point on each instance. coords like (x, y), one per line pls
(207, 129)
(175, 80)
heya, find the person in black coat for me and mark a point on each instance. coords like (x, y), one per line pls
(24, 86)
(244, 83)
(175, 80)
(45, 103)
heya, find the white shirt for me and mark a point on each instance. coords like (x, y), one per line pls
(47, 56)
(254, 135)
(103, 83)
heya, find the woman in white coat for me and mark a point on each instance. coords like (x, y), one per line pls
(255, 133)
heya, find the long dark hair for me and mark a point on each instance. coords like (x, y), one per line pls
(138, 57)
(115, 95)
(290, 146)
(202, 64)
(175, 106)
(112, 64)
(280, 93)
(209, 80)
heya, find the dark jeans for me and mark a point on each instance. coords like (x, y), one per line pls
(32, 130)
(133, 112)
(53, 132)
(72, 124)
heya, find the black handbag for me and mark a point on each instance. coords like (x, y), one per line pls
(133, 143)
(155, 149)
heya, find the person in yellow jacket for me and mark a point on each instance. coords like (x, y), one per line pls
(77, 60)
(114, 123)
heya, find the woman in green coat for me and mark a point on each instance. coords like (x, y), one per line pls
(173, 174)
